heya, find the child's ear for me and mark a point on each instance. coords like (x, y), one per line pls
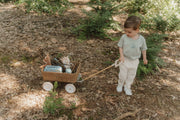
(137, 30)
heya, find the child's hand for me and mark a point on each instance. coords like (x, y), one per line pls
(121, 59)
(145, 61)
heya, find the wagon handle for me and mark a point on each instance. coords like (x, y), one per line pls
(116, 64)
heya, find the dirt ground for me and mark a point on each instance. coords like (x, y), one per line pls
(24, 40)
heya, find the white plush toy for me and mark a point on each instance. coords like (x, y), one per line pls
(67, 64)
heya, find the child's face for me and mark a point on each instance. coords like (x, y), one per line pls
(130, 32)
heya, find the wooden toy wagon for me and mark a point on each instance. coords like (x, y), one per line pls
(69, 78)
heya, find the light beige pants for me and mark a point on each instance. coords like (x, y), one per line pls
(127, 72)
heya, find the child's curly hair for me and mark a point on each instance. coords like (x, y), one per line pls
(132, 22)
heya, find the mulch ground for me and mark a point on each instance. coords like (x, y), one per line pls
(26, 37)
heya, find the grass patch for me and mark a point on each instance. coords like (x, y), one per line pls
(5, 59)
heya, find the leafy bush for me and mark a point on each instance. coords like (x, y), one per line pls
(173, 23)
(141, 6)
(154, 44)
(158, 16)
(46, 6)
(95, 25)
(160, 24)
(155, 24)
(98, 20)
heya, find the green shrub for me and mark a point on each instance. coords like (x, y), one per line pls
(98, 20)
(95, 25)
(173, 23)
(158, 16)
(141, 6)
(52, 103)
(159, 23)
(154, 44)
(46, 6)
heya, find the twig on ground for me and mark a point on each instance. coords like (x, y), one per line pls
(127, 114)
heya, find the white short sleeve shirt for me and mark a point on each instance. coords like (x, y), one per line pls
(132, 48)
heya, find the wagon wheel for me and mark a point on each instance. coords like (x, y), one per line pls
(70, 88)
(48, 86)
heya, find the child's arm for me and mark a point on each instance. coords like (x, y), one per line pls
(144, 57)
(121, 55)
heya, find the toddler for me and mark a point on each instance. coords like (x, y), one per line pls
(131, 45)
